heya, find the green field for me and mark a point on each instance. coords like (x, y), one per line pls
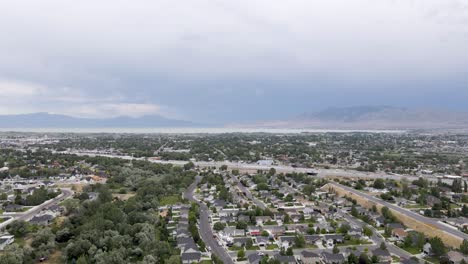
(170, 200)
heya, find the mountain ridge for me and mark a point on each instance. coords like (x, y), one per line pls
(373, 117)
(47, 120)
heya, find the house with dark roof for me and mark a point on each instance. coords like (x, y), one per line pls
(43, 220)
(309, 257)
(190, 257)
(286, 241)
(331, 258)
(5, 241)
(383, 255)
(285, 259)
(254, 258)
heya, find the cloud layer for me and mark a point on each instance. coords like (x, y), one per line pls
(225, 60)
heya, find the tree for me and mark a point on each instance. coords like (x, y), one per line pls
(241, 225)
(464, 247)
(379, 184)
(3, 197)
(364, 259)
(287, 219)
(223, 167)
(174, 260)
(353, 259)
(437, 246)
(272, 172)
(367, 231)
(383, 246)
(218, 226)
(240, 255)
(189, 165)
(354, 211)
(336, 250)
(82, 260)
(249, 244)
(289, 251)
(299, 241)
(18, 228)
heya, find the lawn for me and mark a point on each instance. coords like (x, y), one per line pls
(170, 200)
(271, 247)
(206, 261)
(412, 250)
(432, 260)
(354, 242)
(234, 248)
(395, 259)
(311, 246)
(253, 248)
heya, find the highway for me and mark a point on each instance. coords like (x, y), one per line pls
(418, 217)
(321, 173)
(205, 230)
(66, 193)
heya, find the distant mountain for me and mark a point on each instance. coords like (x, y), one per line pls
(375, 117)
(46, 120)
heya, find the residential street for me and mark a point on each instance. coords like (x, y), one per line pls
(66, 193)
(205, 230)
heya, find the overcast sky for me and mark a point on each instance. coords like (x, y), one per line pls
(223, 61)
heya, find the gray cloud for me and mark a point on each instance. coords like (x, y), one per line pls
(147, 56)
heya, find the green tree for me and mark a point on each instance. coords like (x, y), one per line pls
(299, 241)
(189, 166)
(336, 250)
(353, 259)
(241, 225)
(464, 247)
(437, 246)
(367, 231)
(240, 255)
(379, 184)
(18, 228)
(218, 226)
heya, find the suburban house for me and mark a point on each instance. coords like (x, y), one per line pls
(5, 241)
(190, 257)
(330, 258)
(383, 255)
(399, 233)
(43, 220)
(308, 257)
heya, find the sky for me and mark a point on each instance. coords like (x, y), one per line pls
(230, 61)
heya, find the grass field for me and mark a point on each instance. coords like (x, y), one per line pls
(271, 247)
(170, 200)
(411, 250)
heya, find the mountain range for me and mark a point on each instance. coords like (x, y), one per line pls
(373, 117)
(357, 117)
(46, 120)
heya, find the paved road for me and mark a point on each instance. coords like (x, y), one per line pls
(248, 194)
(418, 217)
(66, 193)
(206, 232)
(377, 237)
(279, 168)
